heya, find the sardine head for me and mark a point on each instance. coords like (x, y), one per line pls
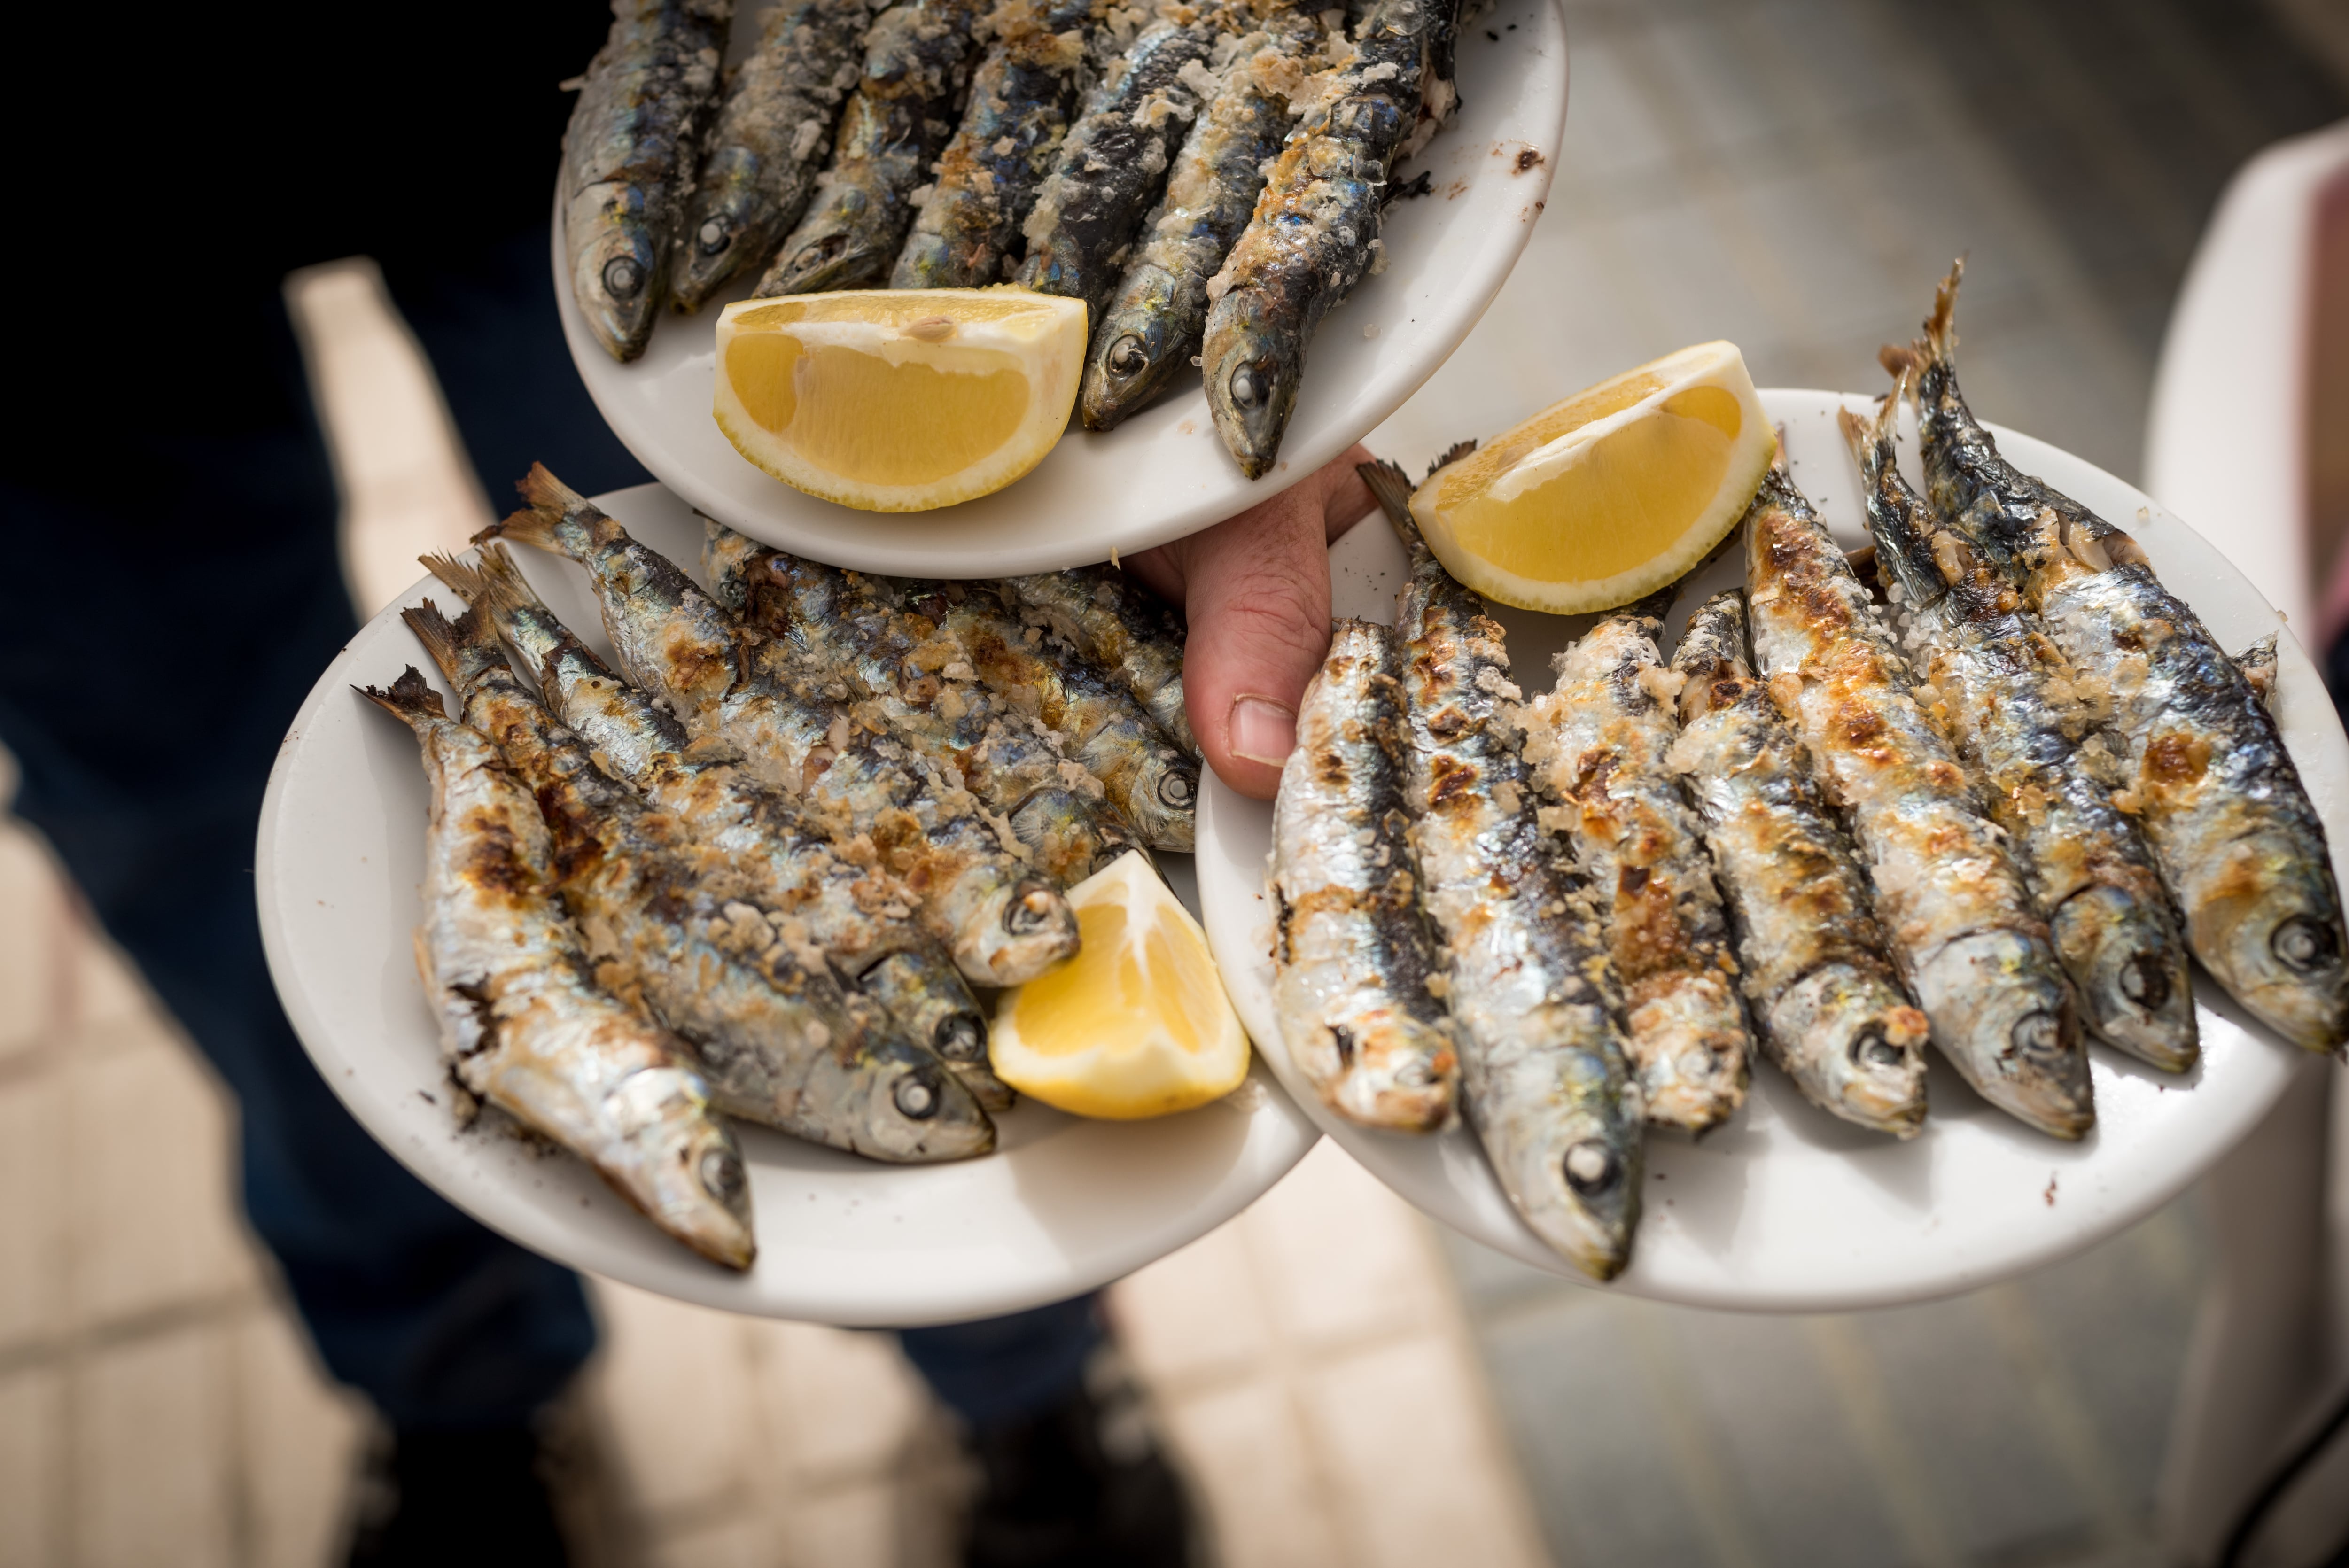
(1251, 373)
(1135, 355)
(1016, 934)
(619, 282)
(2285, 955)
(919, 1110)
(684, 1169)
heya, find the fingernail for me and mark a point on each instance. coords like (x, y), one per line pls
(1262, 730)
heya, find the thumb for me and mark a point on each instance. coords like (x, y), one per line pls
(1256, 590)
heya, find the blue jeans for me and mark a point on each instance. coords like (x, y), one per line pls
(170, 608)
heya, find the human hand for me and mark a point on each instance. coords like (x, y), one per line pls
(1255, 590)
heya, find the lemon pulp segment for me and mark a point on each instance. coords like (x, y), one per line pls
(898, 400)
(1609, 494)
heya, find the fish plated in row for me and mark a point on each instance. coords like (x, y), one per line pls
(1209, 180)
(1987, 785)
(767, 862)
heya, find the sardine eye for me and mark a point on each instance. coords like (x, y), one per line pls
(2037, 1033)
(2304, 945)
(721, 1174)
(1591, 1168)
(713, 237)
(1126, 356)
(960, 1037)
(1031, 908)
(915, 1098)
(2145, 980)
(1870, 1049)
(1245, 390)
(1177, 789)
(623, 277)
(1414, 1075)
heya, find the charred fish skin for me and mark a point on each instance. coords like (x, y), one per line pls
(1118, 626)
(978, 896)
(1598, 745)
(900, 678)
(1151, 781)
(523, 1021)
(859, 915)
(781, 1041)
(1315, 232)
(1114, 159)
(1354, 957)
(628, 159)
(1544, 1077)
(773, 133)
(1152, 324)
(1962, 924)
(915, 59)
(999, 158)
(2010, 700)
(2230, 826)
(1827, 1003)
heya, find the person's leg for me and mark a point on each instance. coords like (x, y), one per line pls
(1069, 1473)
(171, 618)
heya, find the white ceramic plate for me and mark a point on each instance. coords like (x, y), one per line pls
(1164, 473)
(1785, 1208)
(1066, 1206)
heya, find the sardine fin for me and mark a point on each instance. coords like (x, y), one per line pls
(411, 699)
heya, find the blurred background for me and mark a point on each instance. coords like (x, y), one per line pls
(1344, 1384)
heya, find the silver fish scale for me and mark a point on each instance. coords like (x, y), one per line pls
(782, 1044)
(2011, 699)
(1152, 784)
(1113, 161)
(1105, 618)
(1961, 921)
(1314, 233)
(1825, 997)
(1151, 325)
(1001, 923)
(858, 914)
(905, 681)
(1544, 1078)
(774, 132)
(2232, 830)
(915, 63)
(626, 160)
(1355, 966)
(1598, 744)
(522, 1018)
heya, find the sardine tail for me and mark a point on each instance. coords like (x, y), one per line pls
(1457, 451)
(551, 501)
(1391, 487)
(411, 699)
(1941, 338)
(492, 580)
(544, 492)
(437, 632)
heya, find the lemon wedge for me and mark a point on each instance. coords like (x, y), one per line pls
(1609, 495)
(1137, 1023)
(899, 399)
